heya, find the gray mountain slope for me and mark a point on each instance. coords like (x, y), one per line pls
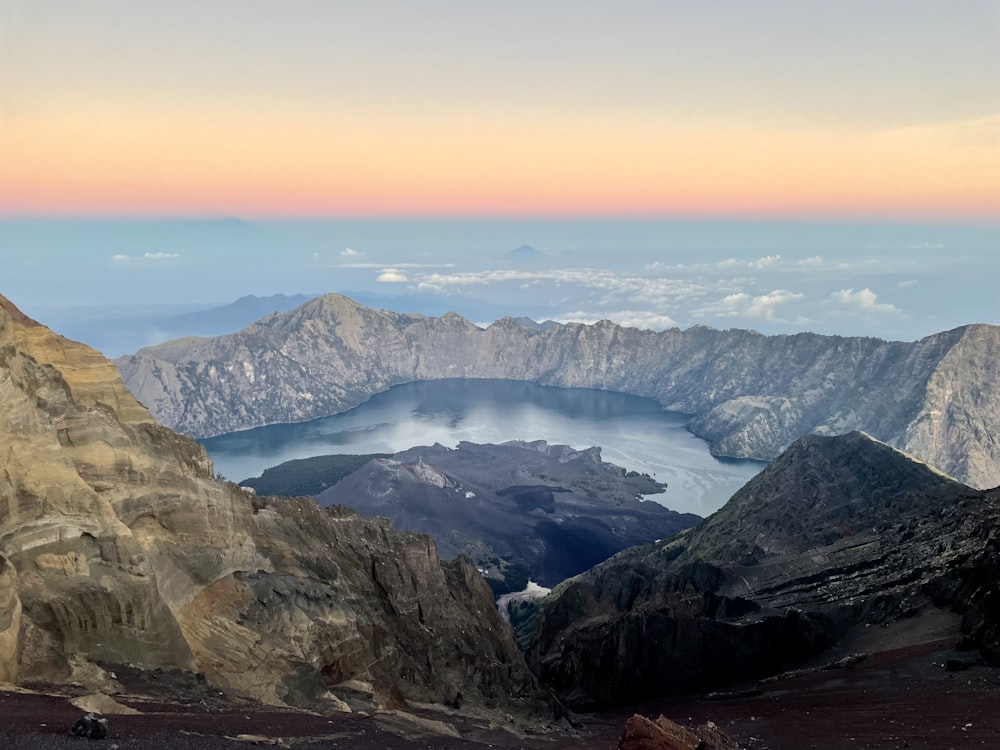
(838, 532)
(751, 395)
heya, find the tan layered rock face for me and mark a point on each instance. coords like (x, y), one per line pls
(117, 545)
(751, 395)
(10, 621)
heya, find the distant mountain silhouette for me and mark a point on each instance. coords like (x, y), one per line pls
(234, 316)
(526, 251)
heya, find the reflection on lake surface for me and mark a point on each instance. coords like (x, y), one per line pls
(632, 432)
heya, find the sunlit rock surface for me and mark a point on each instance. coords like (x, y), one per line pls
(117, 546)
(751, 395)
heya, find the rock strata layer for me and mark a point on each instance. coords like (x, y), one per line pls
(752, 395)
(837, 533)
(117, 546)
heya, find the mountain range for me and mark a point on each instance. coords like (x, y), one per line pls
(118, 546)
(749, 395)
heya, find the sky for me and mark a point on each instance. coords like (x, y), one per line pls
(452, 108)
(780, 165)
(111, 282)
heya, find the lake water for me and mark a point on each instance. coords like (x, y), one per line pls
(632, 432)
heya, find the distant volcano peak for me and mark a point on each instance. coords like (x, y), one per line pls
(526, 251)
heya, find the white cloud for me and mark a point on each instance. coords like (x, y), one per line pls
(155, 257)
(905, 283)
(644, 319)
(394, 265)
(743, 305)
(863, 300)
(349, 253)
(392, 276)
(765, 262)
(658, 292)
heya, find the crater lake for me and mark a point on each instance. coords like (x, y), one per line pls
(632, 432)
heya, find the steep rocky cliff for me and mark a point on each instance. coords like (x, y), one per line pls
(751, 395)
(118, 546)
(837, 533)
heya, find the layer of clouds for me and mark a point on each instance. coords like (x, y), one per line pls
(753, 307)
(660, 291)
(365, 265)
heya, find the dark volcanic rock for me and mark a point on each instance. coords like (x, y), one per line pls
(836, 532)
(554, 510)
(752, 395)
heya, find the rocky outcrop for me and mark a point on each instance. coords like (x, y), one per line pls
(117, 546)
(552, 510)
(645, 734)
(751, 395)
(837, 532)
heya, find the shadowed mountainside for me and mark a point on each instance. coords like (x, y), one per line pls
(752, 395)
(837, 533)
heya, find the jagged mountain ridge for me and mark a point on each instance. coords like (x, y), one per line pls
(118, 546)
(837, 532)
(551, 509)
(751, 394)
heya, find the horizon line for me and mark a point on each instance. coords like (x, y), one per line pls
(665, 217)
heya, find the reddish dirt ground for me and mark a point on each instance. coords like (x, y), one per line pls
(902, 698)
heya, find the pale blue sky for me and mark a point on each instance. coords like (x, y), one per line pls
(887, 280)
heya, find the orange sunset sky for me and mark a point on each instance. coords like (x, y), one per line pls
(772, 108)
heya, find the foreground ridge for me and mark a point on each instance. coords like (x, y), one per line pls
(119, 547)
(836, 535)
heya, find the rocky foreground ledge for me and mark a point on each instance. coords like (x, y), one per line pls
(119, 547)
(923, 696)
